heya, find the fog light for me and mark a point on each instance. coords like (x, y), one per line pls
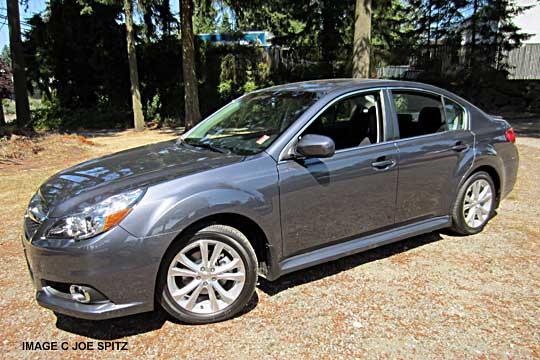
(80, 294)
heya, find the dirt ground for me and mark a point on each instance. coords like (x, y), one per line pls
(433, 296)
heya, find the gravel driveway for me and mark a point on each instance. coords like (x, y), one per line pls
(433, 296)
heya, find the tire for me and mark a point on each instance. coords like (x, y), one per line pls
(213, 293)
(463, 221)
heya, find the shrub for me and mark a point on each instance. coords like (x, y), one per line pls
(153, 109)
(51, 116)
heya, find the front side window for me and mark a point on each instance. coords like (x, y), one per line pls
(351, 122)
(250, 124)
(418, 114)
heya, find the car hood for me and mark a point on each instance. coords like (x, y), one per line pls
(94, 180)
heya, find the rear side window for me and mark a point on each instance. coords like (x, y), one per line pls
(418, 113)
(455, 115)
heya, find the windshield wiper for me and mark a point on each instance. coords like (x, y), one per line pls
(205, 146)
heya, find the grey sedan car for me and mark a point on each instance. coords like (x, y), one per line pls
(276, 181)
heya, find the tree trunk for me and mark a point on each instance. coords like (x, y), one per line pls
(18, 67)
(2, 117)
(498, 38)
(362, 39)
(138, 117)
(193, 115)
(165, 14)
(473, 34)
(430, 5)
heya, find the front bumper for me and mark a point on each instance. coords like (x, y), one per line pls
(99, 311)
(118, 265)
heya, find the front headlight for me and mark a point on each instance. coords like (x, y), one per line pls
(96, 219)
(36, 210)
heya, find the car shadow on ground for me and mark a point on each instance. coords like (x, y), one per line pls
(114, 328)
(126, 326)
(318, 272)
(142, 323)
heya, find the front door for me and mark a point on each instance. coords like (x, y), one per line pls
(324, 201)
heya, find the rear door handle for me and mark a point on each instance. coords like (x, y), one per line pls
(460, 146)
(383, 164)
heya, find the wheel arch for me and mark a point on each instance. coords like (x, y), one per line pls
(254, 233)
(495, 176)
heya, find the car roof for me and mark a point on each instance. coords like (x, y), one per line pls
(327, 86)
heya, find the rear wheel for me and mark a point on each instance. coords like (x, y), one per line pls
(474, 205)
(210, 277)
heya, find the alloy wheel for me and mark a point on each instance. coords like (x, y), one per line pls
(206, 276)
(477, 203)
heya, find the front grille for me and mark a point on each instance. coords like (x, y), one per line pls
(30, 227)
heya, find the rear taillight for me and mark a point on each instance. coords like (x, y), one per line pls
(510, 135)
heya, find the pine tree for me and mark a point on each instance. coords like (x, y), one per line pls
(204, 19)
(495, 33)
(392, 35)
(225, 27)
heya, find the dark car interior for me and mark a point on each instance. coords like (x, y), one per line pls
(418, 114)
(429, 121)
(350, 123)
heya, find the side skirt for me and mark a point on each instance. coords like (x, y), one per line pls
(351, 247)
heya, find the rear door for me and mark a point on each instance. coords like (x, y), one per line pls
(328, 200)
(434, 145)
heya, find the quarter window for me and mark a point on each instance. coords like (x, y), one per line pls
(351, 122)
(455, 115)
(418, 114)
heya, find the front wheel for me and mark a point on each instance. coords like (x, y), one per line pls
(209, 277)
(475, 204)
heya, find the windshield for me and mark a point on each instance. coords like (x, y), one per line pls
(250, 124)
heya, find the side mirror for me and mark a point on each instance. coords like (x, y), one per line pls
(317, 146)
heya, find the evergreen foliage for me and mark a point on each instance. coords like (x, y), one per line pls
(76, 54)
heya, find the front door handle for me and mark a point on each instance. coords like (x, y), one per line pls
(383, 164)
(460, 146)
